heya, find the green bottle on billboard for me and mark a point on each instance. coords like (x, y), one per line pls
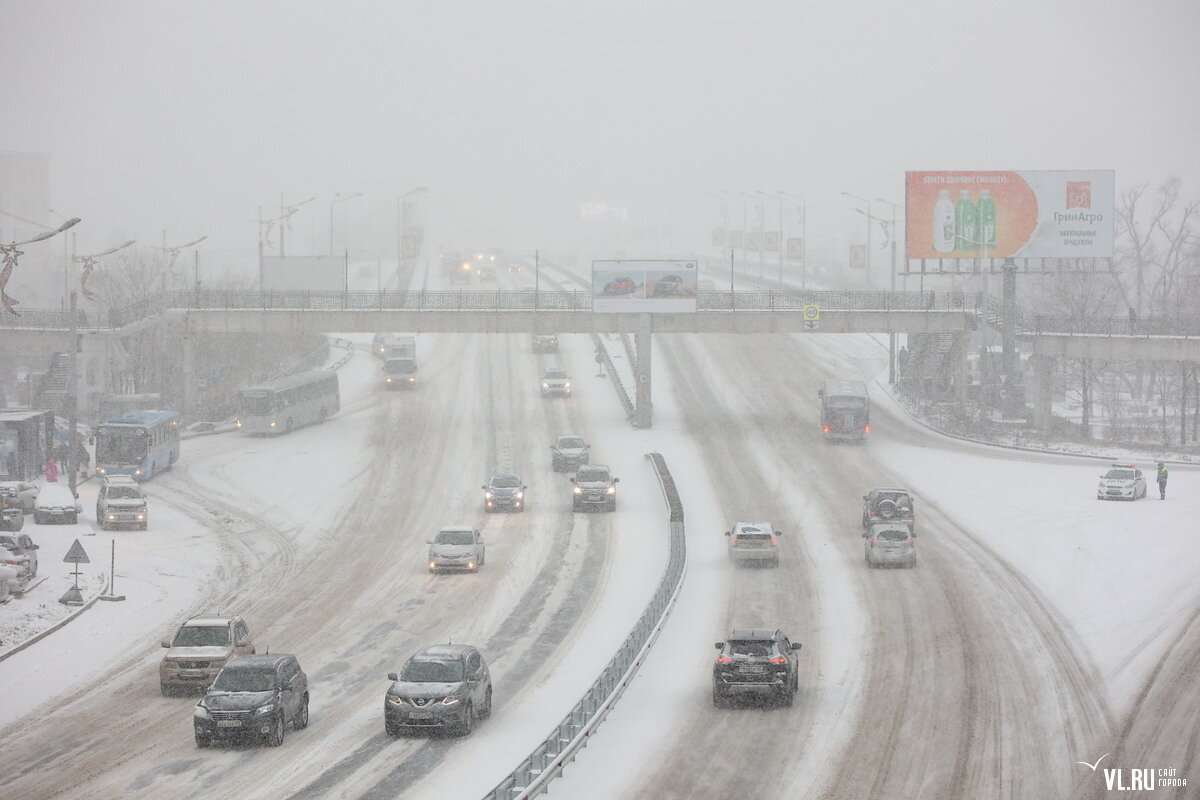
(987, 219)
(966, 222)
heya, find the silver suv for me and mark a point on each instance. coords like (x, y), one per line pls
(456, 548)
(555, 380)
(754, 543)
(595, 488)
(199, 650)
(569, 453)
(446, 687)
(121, 502)
(889, 544)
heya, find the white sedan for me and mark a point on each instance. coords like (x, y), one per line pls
(1122, 482)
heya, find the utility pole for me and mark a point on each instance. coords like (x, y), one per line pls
(72, 381)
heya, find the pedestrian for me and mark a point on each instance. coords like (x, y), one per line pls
(51, 472)
(1162, 481)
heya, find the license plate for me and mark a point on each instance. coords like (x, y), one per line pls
(229, 723)
(420, 715)
(191, 673)
(754, 669)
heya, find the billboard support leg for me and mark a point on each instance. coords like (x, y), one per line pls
(643, 409)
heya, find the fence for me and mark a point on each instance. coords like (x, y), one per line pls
(533, 775)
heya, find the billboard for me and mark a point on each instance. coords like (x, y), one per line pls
(752, 238)
(641, 286)
(735, 239)
(1026, 214)
(718, 237)
(858, 256)
(772, 241)
(795, 248)
(303, 272)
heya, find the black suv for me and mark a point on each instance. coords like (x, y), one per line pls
(889, 505)
(253, 696)
(443, 687)
(757, 662)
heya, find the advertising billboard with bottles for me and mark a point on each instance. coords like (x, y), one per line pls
(1026, 214)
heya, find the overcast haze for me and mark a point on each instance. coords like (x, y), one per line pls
(188, 116)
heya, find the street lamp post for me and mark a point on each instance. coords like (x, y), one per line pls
(337, 198)
(894, 236)
(402, 227)
(870, 216)
(724, 218)
(779, 244)
(285, 216)
(803, 237)
(170, 253)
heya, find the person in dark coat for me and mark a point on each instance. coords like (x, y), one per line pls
(1162, 481)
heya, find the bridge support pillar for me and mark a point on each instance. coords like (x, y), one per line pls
(643, 407)
(1043, 415)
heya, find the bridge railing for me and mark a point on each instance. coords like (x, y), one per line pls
(1112, 326)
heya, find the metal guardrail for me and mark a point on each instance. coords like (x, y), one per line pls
(533, 775)
(1112, 326)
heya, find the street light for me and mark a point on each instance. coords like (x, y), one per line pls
(724, 201)
(779, 243)
(803, 235)
(285, 216)
(173, 252)
(10, 254)
(337, 198)
(402, 227)
(867, 265)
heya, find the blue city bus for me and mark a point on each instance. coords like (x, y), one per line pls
(138, 443)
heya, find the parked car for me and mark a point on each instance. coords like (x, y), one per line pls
(456, 548)
(889, 544)
(10, 582)
(121, 502)
(555, 380)
(199, 649)
(668, 286)
(544, 342)
(595, 487)
(56, 504)
(1121, 482)
(446, 686)
(504, 491)
(23, 492)
(756, 662)
(622, 285)
(23, 553)
(569, 453)
(253, 697)
(888, 505)
(754, 543)
(12, 513)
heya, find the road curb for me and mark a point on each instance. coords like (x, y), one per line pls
(37, 637)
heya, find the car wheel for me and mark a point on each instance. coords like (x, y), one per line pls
(301, 720)
(468, 723)
(202, 741)
(37, 519)
(486, 711)
(287, 427)
(275, 737)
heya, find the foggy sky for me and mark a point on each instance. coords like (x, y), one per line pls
(189, 116)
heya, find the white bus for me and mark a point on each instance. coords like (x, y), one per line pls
(284, 404)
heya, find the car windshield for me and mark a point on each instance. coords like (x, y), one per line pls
(571, 443)
(506, 481)
(124, 493)
(750, 649)
(202, 636)
(892, 536)
(244, 680)
(455, 537)
(592, 475)
(556, 373)
(1119, 475)
(432, 672)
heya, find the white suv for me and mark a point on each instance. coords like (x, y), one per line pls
(754, 543)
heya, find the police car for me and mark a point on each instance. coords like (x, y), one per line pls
(1122, 482)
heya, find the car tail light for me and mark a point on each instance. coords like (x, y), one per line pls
(772, 540)
(825, 429)
(873, 542)
(724, 660)
(778, 660)
(733, 539)
(912, 541)
(874, 513)
(866, 428)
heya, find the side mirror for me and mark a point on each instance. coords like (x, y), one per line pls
(779, 533)
(393, 677)
(523, 487)
(616, 480)
(35, 547)
(719, 645)
(796, 645)
(729, 533)
(429, 541)
(866, 497)
(484, 486)
(165, 643)
(241, 643)
(572, 480)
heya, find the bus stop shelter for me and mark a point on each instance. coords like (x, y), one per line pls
(26, 439)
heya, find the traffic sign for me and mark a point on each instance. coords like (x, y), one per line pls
(812, 312)
(76, 554)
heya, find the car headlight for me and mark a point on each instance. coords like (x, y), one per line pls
(267, 709)
(237, 423)
(545, 386)
(395, 700)
(578, 490)
(488, 495)
(520, 495)
(272, 423)
(389, 380)
(567, 385)
(433, 565)
(451, 701)
(141, 517)
(200, 712)
(111, 517)
(611, 490)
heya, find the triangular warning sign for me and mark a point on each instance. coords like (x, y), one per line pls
(76, 554)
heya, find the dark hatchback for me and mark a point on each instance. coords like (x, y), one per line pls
(253, 697)
(755, 662)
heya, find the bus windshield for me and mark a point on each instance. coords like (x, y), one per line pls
(121, 445)
(257, 403)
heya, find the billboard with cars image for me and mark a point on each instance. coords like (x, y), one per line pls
(640, 286)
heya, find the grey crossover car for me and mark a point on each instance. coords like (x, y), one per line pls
(889, 544)
(569, 453)
(756, 662)
(456, 548)
(200, 648)
(556, 381)
(443, 687)
(253, 697)
(754, 543)
(504, 491)
(595, 488)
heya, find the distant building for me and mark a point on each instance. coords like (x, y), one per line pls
(24, 192)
